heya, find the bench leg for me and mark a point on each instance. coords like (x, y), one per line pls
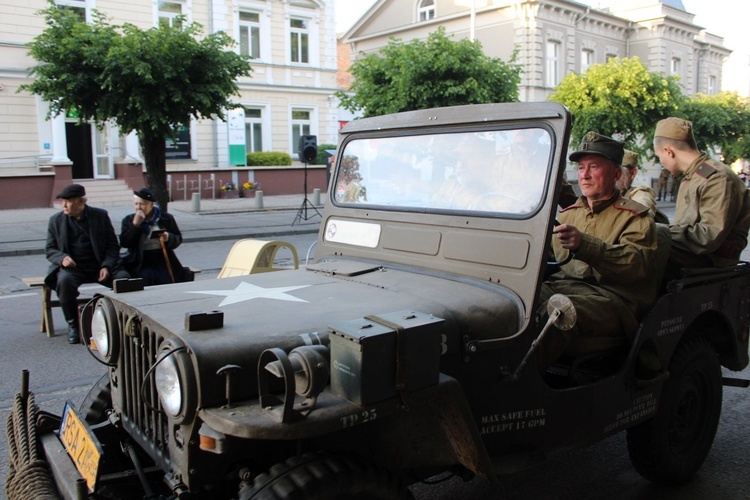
(48, 325)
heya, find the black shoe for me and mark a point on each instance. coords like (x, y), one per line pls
(73, 336)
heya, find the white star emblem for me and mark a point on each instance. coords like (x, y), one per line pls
(246, 291)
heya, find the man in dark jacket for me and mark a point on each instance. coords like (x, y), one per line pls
(150, 237)
(82, 247)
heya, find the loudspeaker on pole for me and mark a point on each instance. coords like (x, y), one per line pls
(308, 148)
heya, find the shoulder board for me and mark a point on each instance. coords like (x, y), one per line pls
(571, 207)
(705, 170)
(631, 206)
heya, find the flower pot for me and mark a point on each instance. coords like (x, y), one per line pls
(247, 193)
(229, 194)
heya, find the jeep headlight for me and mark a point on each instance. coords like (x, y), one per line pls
(105, 331)
(174, 382)
(169, 386)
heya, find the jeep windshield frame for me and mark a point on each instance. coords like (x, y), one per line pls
(397, 219)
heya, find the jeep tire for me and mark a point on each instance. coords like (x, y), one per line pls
(98, 400)
(324, 476)
(670, 447)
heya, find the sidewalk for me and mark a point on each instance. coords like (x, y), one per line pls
(24, 232)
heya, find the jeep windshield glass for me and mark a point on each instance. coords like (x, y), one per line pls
(491, 171)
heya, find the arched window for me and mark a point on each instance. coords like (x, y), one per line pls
(426, 10)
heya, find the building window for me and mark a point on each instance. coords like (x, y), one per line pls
(426, 10)
(711, 85)
(611, 57)
(76, 6)
(676, 66)
(253, 129)
(587, 59)
(169, 13)
(250, 34)
(299, 41)
(301, 125)
(553, 63)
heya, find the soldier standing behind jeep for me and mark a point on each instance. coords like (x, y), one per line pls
(712, 217)
(612, 277)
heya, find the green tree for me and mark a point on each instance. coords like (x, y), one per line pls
(720, 122)
(426, 74)
(150, 81)
(619, 98)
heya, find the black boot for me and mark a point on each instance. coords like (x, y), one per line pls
(74, 336)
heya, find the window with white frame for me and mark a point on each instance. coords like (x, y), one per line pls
(169, 13)
(552, 63)
(301, 125)
(711, 85)
(587, 59)
(299, 40)
(76, 6)
(253, 129)
(676, 66)
(426, 10)
(249, 23)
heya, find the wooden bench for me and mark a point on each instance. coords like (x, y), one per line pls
(47, 325)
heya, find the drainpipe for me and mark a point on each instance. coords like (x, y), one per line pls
(627, 39)
(584, 16)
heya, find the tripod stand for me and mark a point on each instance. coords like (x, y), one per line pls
(302, 212)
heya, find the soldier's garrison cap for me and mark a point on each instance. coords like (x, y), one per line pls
(630, 159)
(675, 128)
(597, 144)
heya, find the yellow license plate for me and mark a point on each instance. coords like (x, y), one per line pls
(81, 445)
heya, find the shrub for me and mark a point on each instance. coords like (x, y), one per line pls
(268, 159)
(322, 158)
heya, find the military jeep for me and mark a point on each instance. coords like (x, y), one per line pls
(407, 348)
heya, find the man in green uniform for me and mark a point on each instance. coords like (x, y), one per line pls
(642, 194)
(712, 216)
(612, 277)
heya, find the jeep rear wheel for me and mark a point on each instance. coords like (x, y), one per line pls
(671, 447)
(322, 477)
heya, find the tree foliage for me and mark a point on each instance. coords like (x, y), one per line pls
(426, 74)
(720, 122)
(149, 81)
(620, 98)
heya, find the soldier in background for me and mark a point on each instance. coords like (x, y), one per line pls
(642, 194)
(662, 183)
(712, 216)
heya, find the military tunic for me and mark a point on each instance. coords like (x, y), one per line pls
(712, 217)
(612, 277)
(643, 195)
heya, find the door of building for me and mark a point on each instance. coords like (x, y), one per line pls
(103, 148)
(78, 140)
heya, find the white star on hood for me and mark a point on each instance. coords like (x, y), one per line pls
(246, 291)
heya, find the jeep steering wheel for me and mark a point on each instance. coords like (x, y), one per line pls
(562, 262)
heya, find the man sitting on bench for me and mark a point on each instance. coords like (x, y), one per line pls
(82, 247)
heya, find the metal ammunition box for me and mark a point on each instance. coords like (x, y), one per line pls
(376, 357)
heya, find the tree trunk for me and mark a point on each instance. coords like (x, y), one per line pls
(155, 154)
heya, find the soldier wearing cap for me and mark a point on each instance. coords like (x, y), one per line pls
(150, 237)
(712, 216)
(82, 247)
(642, 194)
(612, 277)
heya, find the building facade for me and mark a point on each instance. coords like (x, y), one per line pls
(556, 37)
(292, 44)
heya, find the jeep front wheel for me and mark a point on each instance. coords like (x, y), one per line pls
(671, 447)
(323, 477)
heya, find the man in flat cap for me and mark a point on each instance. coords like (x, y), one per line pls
(150, 238)
(82, 247)
(712, 216)
(611, 279)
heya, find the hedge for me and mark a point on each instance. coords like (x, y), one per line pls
(322, 158)
(268, 159)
